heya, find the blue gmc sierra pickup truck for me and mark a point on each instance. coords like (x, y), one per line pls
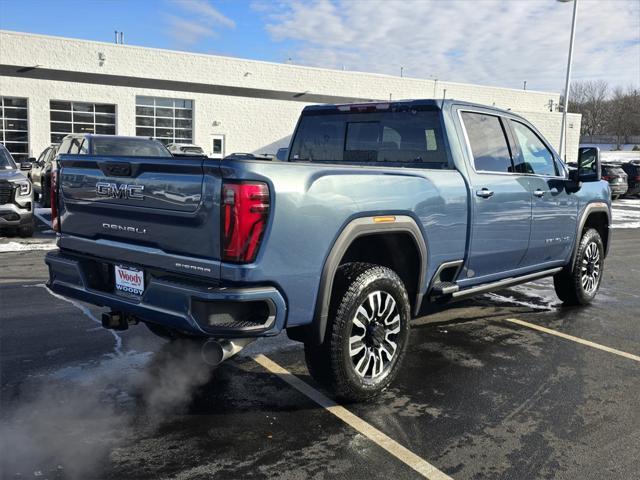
(379, 210)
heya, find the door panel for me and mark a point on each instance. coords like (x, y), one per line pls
(554, 210)
(501, 226)
(500, 198)
(554, 221)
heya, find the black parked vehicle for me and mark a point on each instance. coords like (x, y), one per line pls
(40, 174)
(632, 169)
(617, 178)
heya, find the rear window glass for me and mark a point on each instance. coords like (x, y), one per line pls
(129, 147)
(398, 137)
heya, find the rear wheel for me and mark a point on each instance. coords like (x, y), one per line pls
(578, 285)
(367, 333)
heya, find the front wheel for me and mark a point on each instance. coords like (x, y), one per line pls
(579, 284)
(367, 333)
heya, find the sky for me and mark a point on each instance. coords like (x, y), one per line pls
(502, 43)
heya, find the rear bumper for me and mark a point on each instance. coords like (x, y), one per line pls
(179, 303)
(618, 188)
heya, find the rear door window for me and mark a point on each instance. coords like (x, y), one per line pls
(534, 156)
(488, 142)
(404, 137)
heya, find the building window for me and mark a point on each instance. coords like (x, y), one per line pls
(14, 127)
(80, 117)
(170, 120)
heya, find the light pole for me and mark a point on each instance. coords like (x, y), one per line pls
(563, 129)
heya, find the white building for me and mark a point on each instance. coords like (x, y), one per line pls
(51, 86)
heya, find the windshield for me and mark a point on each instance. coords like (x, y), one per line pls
(129, 147)
(6, 162)
(405, 136)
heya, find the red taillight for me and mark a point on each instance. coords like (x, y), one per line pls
(53, 192)
(606, 177)
(638, 178)
(245, 209)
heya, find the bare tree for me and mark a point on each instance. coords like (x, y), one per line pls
(589, 98)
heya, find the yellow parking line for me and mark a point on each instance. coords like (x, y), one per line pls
(588, 343)
(403, 454)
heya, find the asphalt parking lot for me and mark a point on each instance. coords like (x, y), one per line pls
(485, 393)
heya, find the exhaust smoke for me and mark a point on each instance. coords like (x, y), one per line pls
(66, 424)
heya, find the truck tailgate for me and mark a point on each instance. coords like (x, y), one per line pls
(168, 205)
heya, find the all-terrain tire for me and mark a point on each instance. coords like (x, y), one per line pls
(570, 283)
(369, 303)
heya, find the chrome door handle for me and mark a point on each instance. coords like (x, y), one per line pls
(539, 193)
(484, 193)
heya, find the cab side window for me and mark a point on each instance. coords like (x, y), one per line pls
(534, 156)
(488, 142)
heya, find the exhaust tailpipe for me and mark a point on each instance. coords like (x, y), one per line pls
(214, 352)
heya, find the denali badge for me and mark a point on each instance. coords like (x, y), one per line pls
(113, 190)
(124, 228)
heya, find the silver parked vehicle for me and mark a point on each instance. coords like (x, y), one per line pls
(186, 149)
(16, 195)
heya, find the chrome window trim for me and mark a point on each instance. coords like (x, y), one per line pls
(462, 110)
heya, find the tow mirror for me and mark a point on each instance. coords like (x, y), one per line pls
(589, 164)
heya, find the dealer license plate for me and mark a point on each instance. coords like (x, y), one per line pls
(129, 280)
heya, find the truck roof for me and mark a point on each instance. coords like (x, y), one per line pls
(427, 102)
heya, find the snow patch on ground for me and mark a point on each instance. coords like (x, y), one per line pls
(28, 245)
(625, 218)
(535, 295)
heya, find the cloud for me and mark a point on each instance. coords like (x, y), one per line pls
(480, 41)
(198, 20)
(205, 9)
(187, 32)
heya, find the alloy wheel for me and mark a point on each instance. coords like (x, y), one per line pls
(590, 273)
(374, 334)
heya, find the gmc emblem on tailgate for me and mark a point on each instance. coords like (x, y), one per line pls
(114, 190)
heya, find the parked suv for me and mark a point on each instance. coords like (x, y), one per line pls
(617, 178)
(379, 211)
(40, 174)
(632, 169)
(16, 196)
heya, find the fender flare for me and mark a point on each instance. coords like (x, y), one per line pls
(354, 229)
(588, 210)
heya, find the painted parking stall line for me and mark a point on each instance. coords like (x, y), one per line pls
(579, 340)
(403, 454)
